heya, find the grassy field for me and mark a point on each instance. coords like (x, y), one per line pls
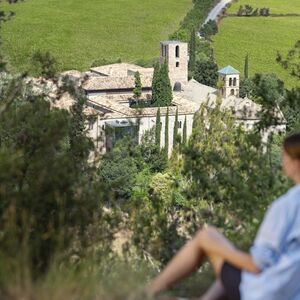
(78, 32)
(276, 6)
(260, 37)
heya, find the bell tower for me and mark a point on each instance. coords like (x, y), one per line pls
(230, 77)
(175, 54)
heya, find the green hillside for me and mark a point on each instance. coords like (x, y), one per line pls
(78, 32)
(261, 37)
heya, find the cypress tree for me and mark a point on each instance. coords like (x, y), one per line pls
(175, 133)
(137, 91)
(246, 66)
(157, 128)
(166, 95)
(167, 132)
(156, 85)
(184, 134)
(192, 51)
(161, 86)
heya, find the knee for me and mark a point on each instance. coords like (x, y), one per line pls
(206, 234)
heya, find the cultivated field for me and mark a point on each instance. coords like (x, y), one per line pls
(78, 32)
(261, 37)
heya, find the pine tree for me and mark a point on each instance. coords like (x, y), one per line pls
(246, 67)
(157, 129)
(167, 132)
(175, 133)
(137, 91)
(184, 134)
(192, 51)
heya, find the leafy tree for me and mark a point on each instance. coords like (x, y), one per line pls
(151, 153)
(158, 128)
(246, 67)
(227, 166)
(209, 29)
(247, 88)
(118, 169)
(291, 62)
(137, 91)
(248, 10)
(43, 190)
(240, 11)
(192, 51)
(44, 64)
(206, 72)
(268, 89)
(290, 105)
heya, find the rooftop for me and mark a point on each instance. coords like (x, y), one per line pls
(117, 106)
(229, 70)
(121, 70)
(114, 83)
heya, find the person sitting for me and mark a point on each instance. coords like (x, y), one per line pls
(270, 271)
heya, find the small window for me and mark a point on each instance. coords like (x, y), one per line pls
(177, 64)
(230, 81)
(179, 124)
(177, 51)
(91, 125)
(234, 81)
(232, 92)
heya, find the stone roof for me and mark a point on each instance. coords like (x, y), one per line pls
(242, 108)
(121, 70)
(198, 92)
(117, 106)
(229, 70)
(115, 83)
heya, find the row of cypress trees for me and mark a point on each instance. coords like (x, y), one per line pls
(177, 140)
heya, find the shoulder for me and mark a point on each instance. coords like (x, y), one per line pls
(290, 201)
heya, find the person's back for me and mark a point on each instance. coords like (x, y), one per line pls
(276, 252)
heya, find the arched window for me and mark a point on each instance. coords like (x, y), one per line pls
(177, 87)
(177, 51)
(232, 92)
(230, 81)
(177, 64)
(234, 81)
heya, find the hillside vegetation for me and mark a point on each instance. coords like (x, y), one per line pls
(80, 32)
(261, 37)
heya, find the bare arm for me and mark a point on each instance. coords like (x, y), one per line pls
(240, 259)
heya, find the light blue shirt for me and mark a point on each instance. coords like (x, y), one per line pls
(276, 251)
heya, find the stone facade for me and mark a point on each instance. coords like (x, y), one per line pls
(175, 53)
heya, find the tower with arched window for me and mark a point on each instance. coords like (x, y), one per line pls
(175, 54)
(230, 79)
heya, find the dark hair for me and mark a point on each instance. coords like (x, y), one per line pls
(291, 145)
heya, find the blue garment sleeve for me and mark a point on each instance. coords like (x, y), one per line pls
(269, 240)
